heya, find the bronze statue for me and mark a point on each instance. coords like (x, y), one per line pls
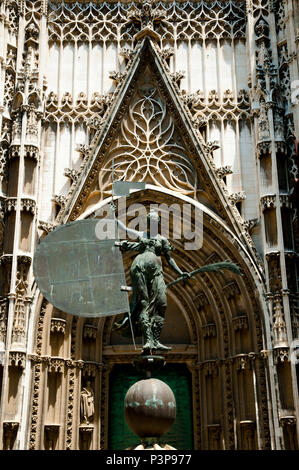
(148, 303)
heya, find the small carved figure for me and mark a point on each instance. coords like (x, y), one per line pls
(87, 403)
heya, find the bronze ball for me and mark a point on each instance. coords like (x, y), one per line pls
(150, 408)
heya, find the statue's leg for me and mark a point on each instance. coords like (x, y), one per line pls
(142, 308)
(160, 309)
(146, 326)
(157, 326)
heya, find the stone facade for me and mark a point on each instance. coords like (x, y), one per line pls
(222, 81)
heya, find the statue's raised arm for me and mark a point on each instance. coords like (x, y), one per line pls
(133, 234)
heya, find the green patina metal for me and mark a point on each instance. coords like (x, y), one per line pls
(153, 402)
(133, 404)
(178, 378)
(80, 274)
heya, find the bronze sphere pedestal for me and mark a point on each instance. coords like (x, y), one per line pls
(150, 410)
(150, 405)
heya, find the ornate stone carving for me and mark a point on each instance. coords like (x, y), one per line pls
(17, 359)
(3, 163)
(280, 354)
(58, 325)
(226, 22)
(10, 77)
(177, 76)
(279, 326)
(3, 318)
(117, 76)
(19, 322)
(167, 52)
(90, 331)
(56, 365)
(210, 147)
(31, 151)
(60, 200)
(127, 53)
(209, 330)
(10, 204)
(287, 421)
(210, 368)
(72, 174)
(201, 299)
(263, 149)
(231, 289)
(10, 429)
(242, 362)
(224, 171)
(67, 111)
(234, 198)
(285, 201)
(47, 227)
(85, 436)
(71, 387)
(35, 418)
(268, 202)
(214, 434)
(28, 205)
(51, 436)
(67, 100)
(148, 148)
(89, 369)
(217, 108)
(249, 224)
(32, 125)
(240, 322)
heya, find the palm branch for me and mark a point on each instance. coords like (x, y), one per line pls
(213, 267)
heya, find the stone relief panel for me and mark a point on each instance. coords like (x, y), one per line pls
(148, 147)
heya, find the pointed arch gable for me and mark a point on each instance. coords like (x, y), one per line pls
(211, 188)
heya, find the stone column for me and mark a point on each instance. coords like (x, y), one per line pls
(21, 207)
(271, 148)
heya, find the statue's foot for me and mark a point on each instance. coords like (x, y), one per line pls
(161, 346)
(148, 346)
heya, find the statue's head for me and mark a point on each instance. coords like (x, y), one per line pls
(153, 220)
(154, 216)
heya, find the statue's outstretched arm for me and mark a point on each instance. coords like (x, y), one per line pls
(174, 266)
(133, 234)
